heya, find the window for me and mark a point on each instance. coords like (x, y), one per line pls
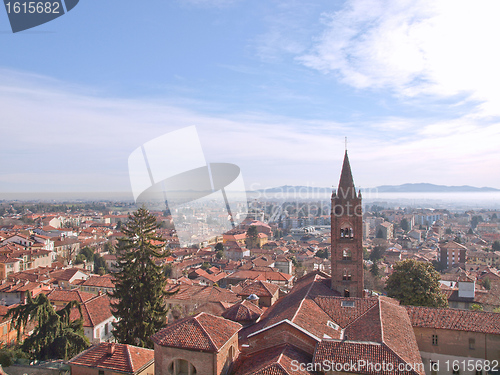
(434, 339)
(346, 276)
(181, 367)
(472, 344)
(332, 325)
(346, 254)
(347, 303)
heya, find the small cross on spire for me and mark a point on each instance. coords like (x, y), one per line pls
(346, 143)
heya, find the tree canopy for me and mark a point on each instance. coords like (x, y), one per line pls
(55, 336)
(140, 281)
(416, 283)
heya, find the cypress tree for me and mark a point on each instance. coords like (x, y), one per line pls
(140, 283)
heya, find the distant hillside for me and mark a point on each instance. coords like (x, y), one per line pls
(404, 188)
(431, 188)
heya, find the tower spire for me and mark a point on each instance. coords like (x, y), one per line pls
(346, 183)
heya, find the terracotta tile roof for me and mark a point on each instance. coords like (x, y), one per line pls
(260, 289)
(104, 281)
(313, 307)
(65, 275)
(204, 332)
(457, 320)
(243, 311)
(343, 315)
(125, 358)
(269, 276)
(274, 361)
(202, 293)
(59, 295)
(18, 286)
(94, 311)
(351, 352)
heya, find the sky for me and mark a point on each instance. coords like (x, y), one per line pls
(271, 86)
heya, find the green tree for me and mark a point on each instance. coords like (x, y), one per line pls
(448, 231)
(405, 225)
(55, 334)
(169, 268)
(252, 236)
(416, 283)
(88, 253)
(374, 270)
(219, 246)
(80, 259)
(475, 221)
(377, 253)
(476, 307)
(487, 283)
(322, 253)
(99, 263)
(140, 282)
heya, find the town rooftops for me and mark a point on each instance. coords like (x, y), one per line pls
(203, 332)
(259, 288)
(452, 319)
(275, 361)
(124, 358)
(60, 295)
(243, 311)
(205, 293)
(316, 310)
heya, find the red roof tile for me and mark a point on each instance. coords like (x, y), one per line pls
(125, 358)
(457, 320)
(204, 332)
(243, 311)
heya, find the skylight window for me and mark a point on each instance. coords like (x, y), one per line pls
(332, 325)
(347, 303)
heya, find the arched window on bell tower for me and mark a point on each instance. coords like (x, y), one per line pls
(346, 254)
(346, 276)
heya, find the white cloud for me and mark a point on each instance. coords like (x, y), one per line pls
(415, 47)
(58, 137)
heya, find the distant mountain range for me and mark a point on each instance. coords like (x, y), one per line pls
(404, 188)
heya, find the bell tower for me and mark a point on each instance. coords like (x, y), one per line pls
(347, 236)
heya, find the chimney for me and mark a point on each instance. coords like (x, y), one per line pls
(254, 299)
(111, 349)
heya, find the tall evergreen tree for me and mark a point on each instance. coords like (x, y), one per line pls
(140, 282)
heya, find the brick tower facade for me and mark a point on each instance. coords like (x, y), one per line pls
(347, 236)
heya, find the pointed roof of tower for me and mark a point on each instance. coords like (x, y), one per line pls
(346, 181)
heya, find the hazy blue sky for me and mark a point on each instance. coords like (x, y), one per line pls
(272, 86)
